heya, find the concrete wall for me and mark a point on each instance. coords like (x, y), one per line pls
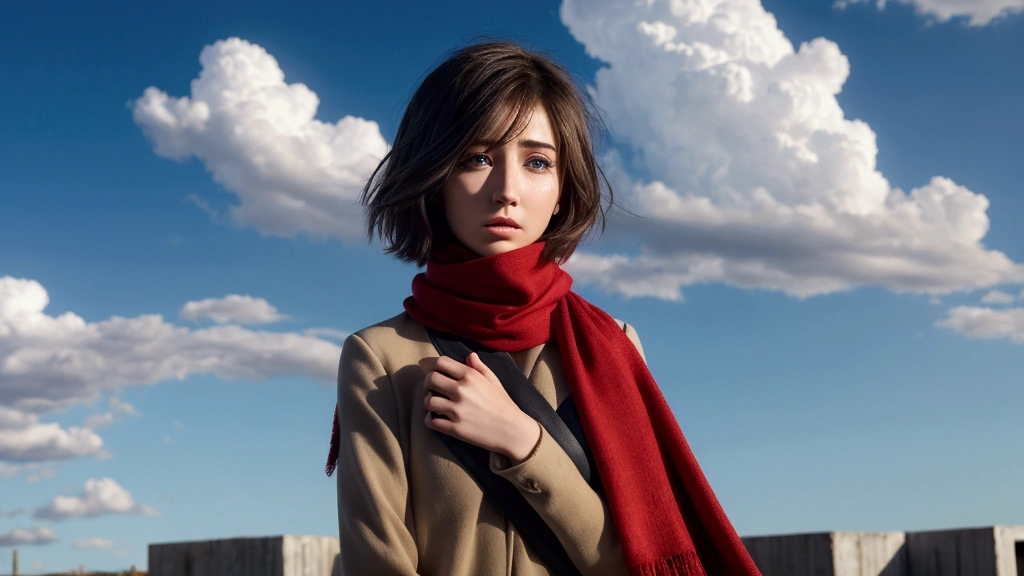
(965, 552)
(1009, 541)
(310, 555)
(792, 554)
(265, 556)
(989, 551)
(829, 554)
(869, 554)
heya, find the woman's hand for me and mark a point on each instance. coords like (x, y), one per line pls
(476, 407)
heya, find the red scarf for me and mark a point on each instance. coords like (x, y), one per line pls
(668, 519)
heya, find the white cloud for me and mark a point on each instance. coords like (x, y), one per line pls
(23, 437)
(116, 407)
(997, 297)
(48, 363)
(232, 309)
(9, 470)
(100, 497)
(33, 470)
(751, 174)
(326, 333)
(13, 513)
(92, 543)
(34, 477)
(986, 323)
(99, 420)
(33, 537)
(258, 136)
(978, 12)
(122, 407)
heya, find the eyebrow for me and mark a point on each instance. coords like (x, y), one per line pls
(536, 144)
(488, 144)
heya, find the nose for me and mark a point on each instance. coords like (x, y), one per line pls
(506, 185)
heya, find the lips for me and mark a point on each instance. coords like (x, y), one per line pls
(502, 223)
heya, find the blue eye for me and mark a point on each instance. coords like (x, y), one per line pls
(478, 160)
(538, 163)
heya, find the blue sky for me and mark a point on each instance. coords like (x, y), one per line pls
(826, 276)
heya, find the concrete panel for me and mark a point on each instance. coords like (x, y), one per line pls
(990, 551)
(267, 556)
(792, 554)
(830, 554)
(869, 554)
(965, 552)
(1009, 541)
(310, 555)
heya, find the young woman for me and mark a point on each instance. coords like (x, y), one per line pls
(492, 183)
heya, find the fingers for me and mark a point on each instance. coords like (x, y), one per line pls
(473, 361)
(449, 385)
(455, 369)
(440, 424)
(444, 374)
(440, 413)
(439, 405)
(440, 383)
(452, 367)
(441, 391)
(444, 364)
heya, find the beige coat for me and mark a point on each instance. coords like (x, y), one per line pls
(405, 504)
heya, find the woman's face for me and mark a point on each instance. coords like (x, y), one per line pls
(502, 198)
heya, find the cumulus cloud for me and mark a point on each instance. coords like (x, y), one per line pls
(33, 537)
(99, 420)
(48, 363)
(978, 12)
(92, 543)
(100, 497)
(232, 309)
(122, 407)
(23, 437)
(997, 297)
(986, 323)
(259, 138)
(746, 171)
(117, 407)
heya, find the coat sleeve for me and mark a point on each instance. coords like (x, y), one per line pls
(374, 510)
(578, 515)
(634, 338)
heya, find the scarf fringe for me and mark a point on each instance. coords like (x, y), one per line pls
(682, 564)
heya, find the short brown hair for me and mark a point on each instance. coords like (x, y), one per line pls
(466, 98)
